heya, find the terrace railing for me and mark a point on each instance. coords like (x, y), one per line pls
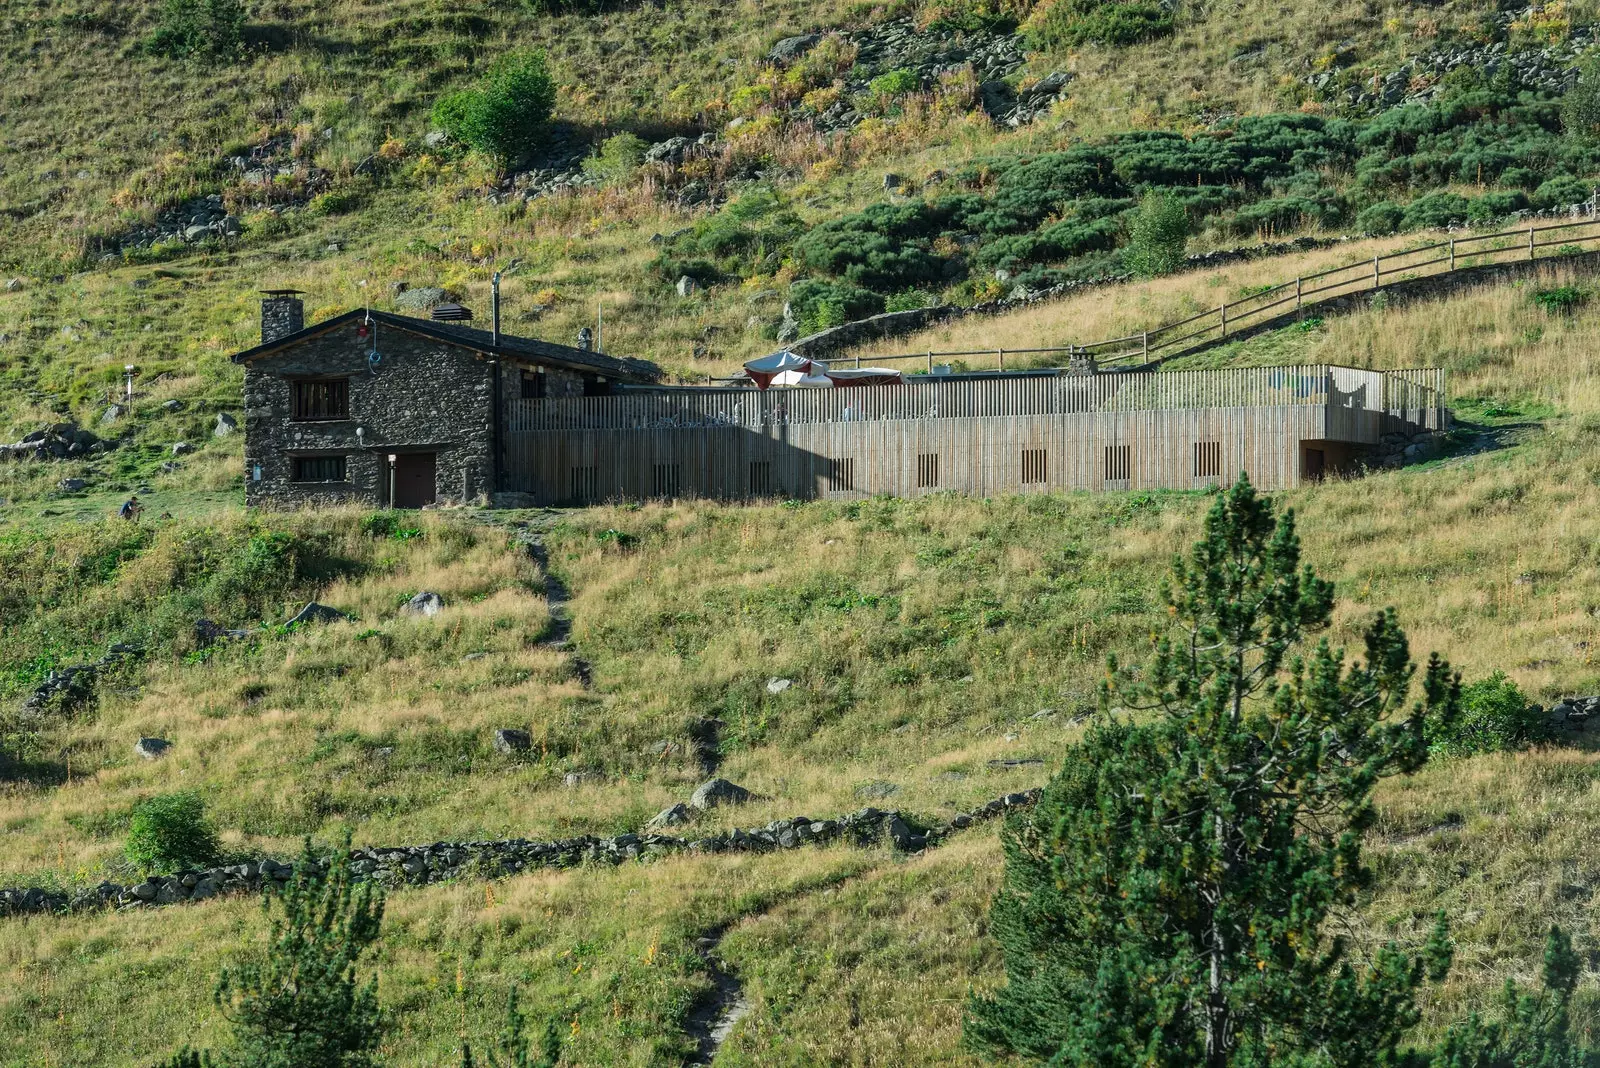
(1301, 293)
(967, 397)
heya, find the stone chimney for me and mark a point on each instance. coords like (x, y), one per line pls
(282, 313)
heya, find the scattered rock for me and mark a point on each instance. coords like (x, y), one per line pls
(317, 613)
(686, 286)
(226, 424)
(14, 285)
(777, 686)
(573, 779)
(892, 182)
(676, 816)
(716, 792)
(790, 49)
(181, 448)
(426, 603)
(71, 485)
(151, 748)
(423, 298)
(113, 413)
(511, 740)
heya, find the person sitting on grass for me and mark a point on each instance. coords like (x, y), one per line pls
(130, 510)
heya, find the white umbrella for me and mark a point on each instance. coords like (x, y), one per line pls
(783, 368)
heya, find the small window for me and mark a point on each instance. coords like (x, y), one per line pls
(533, 385)
(327, 398)
(1207, 459)
(1034, 472)
(319, 469)
(666, 480)
(760, 478)
(1119, 463)
(842, 473)
(595, 386)
(585, 484)
(927, 470)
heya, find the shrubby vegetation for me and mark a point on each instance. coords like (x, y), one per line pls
(1494, 717)
(1071, 23)
(212, 28)
(170, 833)
(1080, 212)
(503, 115)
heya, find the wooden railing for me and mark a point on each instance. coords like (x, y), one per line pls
(969, 397)
(1301, 293)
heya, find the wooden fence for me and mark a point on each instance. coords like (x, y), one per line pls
(1416, 390)
(1307, 291)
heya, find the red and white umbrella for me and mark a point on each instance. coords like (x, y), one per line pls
(783, 368)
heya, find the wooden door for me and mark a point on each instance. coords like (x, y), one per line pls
(414, 475)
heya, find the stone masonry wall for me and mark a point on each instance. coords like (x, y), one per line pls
(426, 396)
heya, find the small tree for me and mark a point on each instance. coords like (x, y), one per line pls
(1157, 236)
(504, 114)
(617, 159)
(1495, 717)
(1580, 107)
(512, 1047)
(300, 1004)
(170, 832)
(1167, 901)
(1536, 1029)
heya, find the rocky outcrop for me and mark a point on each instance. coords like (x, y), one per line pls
(59, 441)
(69, 688)
(317, 613)
(442, 861)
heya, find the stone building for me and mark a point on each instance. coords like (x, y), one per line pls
(393, 411)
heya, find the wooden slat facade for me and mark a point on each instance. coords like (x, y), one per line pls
(1179, 430)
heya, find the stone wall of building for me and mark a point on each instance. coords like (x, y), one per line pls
(423, 396)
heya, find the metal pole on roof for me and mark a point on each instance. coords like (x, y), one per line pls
(494, 289)
(599, 326)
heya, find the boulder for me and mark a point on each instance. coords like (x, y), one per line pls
(423, 298)
(317, 613)
(226, 424)
(676, 816)
(151, 748)
(71, 485)
(511, 740)
(790, 49)
(14, 286)
(672, 150)
(196, 232)
(686, 286)
(718, 792)
(892, 182)
(776, 686)
(113, 413)
(181, 448)
(425, 603)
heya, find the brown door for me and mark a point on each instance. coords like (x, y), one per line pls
(1316, 464)
(414, 479)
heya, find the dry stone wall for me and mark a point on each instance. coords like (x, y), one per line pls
(442, 861)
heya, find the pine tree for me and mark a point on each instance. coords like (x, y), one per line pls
(1167, 902)
(300, 1003)
(1157, 237)
(512, 1045)
(1535, 1031)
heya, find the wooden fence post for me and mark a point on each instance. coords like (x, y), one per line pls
(1452, 253)
(1375, 272)
(1144, 344)
(1297, 294)
(1000, 357)
(1222, 310)
(930, 361)
(1530, 242)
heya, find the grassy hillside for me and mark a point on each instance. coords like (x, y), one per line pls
(943, 651)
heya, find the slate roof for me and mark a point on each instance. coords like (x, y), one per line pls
(480, 341)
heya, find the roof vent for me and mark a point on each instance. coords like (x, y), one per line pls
(451, 313)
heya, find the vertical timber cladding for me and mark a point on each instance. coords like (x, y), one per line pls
(910, 457)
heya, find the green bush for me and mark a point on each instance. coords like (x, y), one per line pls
(1380, 218)
(895, 83)
(818, 305)
(504, 114)
(617, 159)
(1071, 23)
(170, 832)
(1495, 717)
(198, 28)
(1562, 300)
(1156, 239)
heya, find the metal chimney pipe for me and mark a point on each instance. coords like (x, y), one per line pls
(494, 286)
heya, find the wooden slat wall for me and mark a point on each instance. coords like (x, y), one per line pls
(979, 456)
